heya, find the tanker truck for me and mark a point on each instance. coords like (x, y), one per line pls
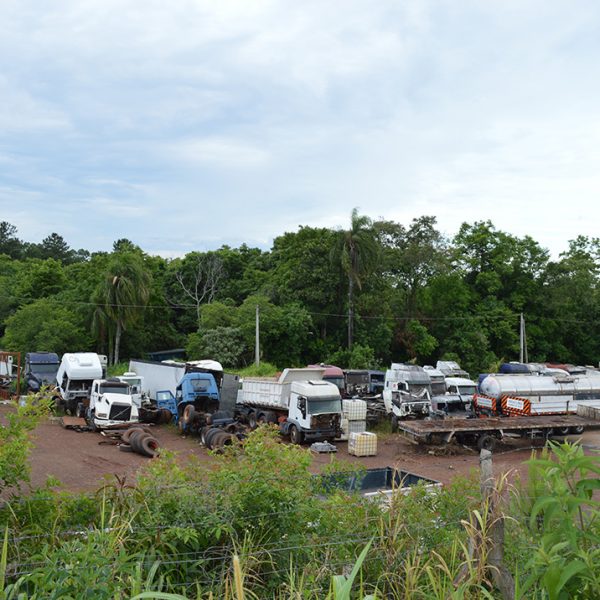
(533, 395)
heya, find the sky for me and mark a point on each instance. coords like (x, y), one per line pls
(189, 124)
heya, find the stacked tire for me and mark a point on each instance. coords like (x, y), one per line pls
(215, 438)
(141, 441)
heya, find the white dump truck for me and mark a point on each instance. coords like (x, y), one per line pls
(110, 404)
(303, 405)
(74, 379)
(407, 392)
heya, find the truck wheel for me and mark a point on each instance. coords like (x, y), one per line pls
(210, 437)
(252, 422)
(91, 422)
(561, 431)
(135, 440)
(486, 442)
(189, 413)
(296, 436)
(394, 424)
(577, 430)
(126, 435)
(149, 446)
(166, 416)
(80, 410)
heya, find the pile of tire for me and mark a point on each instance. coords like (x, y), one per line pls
(215, 438)
(139, 440)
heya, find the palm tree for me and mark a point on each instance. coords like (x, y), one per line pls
(121, 296)
(358, 253)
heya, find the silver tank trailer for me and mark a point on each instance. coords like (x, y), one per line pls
(547, 395)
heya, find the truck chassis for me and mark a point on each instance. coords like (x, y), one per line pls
(486, 431)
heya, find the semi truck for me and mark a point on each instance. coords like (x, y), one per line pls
(40, 370)
(407, 392)
(110, 404)
(300, 402)
(74, 379)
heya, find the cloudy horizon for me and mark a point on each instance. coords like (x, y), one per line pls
(193, 124)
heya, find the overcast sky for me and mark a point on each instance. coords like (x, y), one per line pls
(189, 124)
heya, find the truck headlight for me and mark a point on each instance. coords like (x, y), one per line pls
(101, 415)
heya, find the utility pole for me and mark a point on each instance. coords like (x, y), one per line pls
(257, 348)
(523, 357)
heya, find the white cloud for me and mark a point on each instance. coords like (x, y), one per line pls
(259, 116)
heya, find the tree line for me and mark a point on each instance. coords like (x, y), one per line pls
(362, 296)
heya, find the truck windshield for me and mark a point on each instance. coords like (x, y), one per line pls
(200, 385)
(337, 381)
(466, 390)
(418, 389)
(107, 388)
(438, 388)
(43, 369)
(325, 405)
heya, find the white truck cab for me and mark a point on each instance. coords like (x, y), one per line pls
(407, 392)
(110, 404)
(74, 379)
(136, 387)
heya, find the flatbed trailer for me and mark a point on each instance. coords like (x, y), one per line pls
(485, 431)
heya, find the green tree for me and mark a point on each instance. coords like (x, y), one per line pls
(10, 244)
(45, 325)
(225, 344)
(54, 246)
(358, 253)
(121, 296)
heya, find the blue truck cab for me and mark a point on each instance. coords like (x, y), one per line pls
(196, 399)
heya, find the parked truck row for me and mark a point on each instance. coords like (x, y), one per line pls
(305, 404)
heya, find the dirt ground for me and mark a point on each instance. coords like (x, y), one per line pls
(82, 462)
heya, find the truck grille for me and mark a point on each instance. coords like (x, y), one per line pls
(120, 412)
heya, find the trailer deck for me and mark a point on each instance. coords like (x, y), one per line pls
(428, 429)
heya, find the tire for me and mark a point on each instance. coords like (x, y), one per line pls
(80, 410)
(252, 421)
(577, 430)
(136, 440)
(149, 446)
(271, 417)
(219, 440)
(126, 435)
(394, 424)
(166, 416)
(125, 448)
(561, 430)
(189, 413)
(90, 420)
(210, 436)
(296, 436)
(487, 442)
(203, 433)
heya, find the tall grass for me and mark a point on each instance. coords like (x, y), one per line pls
(258, 527)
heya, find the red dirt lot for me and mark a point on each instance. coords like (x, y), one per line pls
(81, 462)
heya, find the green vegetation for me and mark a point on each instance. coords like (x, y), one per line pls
(258, 525)
(411, 294)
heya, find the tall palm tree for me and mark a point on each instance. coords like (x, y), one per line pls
(358, 253)
(121, 295)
